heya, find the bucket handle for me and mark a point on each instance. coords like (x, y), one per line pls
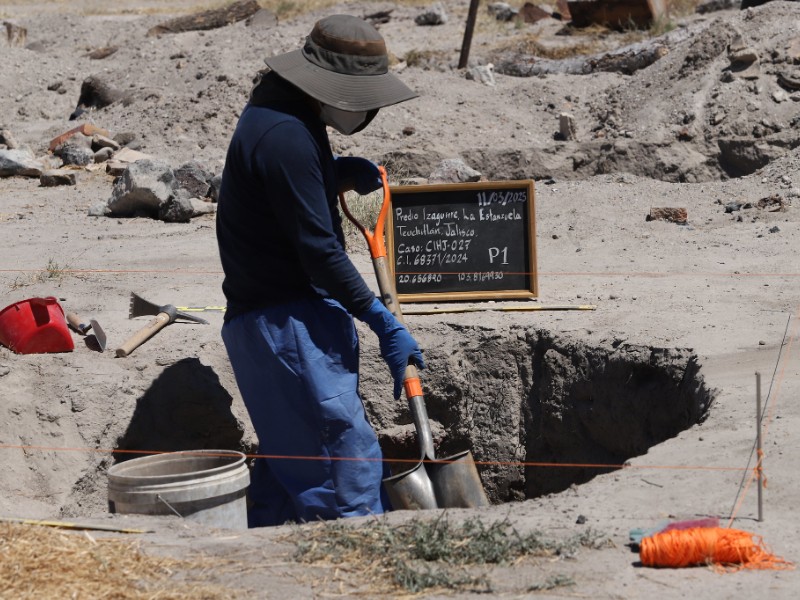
(168, 505)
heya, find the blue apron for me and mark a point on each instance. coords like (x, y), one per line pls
(296, 366)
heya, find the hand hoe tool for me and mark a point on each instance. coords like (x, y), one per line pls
(164, 315)
(78, 326)
(451, 482)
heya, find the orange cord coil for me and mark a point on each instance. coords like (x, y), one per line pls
(709, 545)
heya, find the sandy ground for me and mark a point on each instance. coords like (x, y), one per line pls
(725, 285)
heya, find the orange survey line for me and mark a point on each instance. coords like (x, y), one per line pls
(661, 274)
(394, 460)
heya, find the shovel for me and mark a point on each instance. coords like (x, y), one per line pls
(451, 482)
(164, 315)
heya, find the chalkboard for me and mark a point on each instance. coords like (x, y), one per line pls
(463, 241)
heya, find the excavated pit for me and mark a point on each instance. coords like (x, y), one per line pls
(527, 396)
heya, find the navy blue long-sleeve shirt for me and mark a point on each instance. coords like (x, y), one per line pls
(278, 226)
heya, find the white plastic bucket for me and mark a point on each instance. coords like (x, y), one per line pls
(206, 486)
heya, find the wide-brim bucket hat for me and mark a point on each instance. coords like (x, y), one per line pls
(344, 63)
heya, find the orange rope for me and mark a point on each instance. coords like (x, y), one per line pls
(726, 549)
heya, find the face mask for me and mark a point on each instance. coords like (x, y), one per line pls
(341, 120)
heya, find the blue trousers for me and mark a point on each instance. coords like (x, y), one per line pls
(296, 366)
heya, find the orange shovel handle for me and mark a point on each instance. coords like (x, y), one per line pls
(377, 246)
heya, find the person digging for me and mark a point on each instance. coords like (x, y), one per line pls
(290, 287)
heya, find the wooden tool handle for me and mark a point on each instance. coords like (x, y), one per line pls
(144, 334)
(75, 322)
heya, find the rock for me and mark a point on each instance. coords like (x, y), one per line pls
(142, 188)
(75, 153)
(101, 53)
(202, 207)
(502, 11)
(566, 127)
(194, 178)
(779, 96)
(54, 178)
(19, 163)
(99, 209)
(435, 15)
(103, 155)
(530, 13)
(176, 210)
(453, 170)
(743, 58)
(482, 73)
(8, 139)
(674, 215)
(96, 93)
(123, 159)
(124, 138)
(101, 141)
(562, 11)
(214, 186)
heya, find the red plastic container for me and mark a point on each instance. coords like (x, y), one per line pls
(35, 326)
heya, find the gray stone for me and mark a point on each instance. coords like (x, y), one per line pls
(103, 155)
(142, 188)
(194, 178)
(566, 127)
(75, 154)
(215, 184)
(453, 170)
(100, 141)
(176, 210)
(99, 209)
(202, 207)
(482, 73)
(54, 178)
(435, 15)
(19, 163)
(502, 11)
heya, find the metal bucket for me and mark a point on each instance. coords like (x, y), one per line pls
(205, 486)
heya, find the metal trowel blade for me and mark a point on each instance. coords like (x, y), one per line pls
(99, 334)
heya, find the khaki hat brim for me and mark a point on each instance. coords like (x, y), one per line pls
(346, 92)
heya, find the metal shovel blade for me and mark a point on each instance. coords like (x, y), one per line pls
(456, 482)
(411, 490)
(451, 482)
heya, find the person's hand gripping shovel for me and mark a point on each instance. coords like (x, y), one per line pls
(451, 482)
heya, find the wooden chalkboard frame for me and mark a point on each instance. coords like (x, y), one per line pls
(531, 288)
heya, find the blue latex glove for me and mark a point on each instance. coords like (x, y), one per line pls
(359, 174)
(398, 348)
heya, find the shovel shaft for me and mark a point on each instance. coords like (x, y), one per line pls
(452, 483)
(144, 334)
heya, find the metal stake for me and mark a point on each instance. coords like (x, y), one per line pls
(467, 41)
(759, 452)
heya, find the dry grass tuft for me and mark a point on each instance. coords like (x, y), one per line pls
(39, 562)
(418, 556)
